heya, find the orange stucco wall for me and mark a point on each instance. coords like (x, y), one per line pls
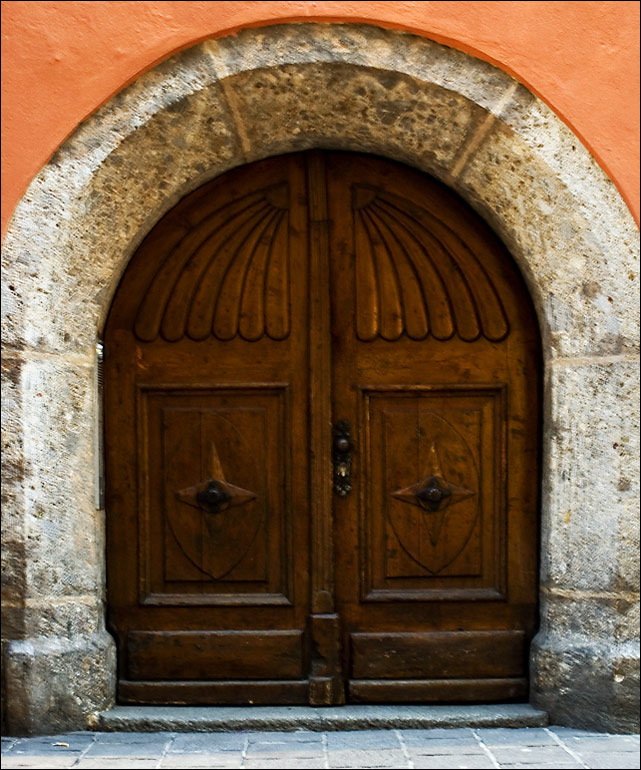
(61, 60)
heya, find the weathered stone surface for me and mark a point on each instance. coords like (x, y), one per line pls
(362, 46)
(587, 684)
(277, 90)
(63, 533)
(581, 270)
(64, 617)
(367, 110)
(151, 146)
(288, 718)
(52, 684)
(590, 479)
(600, 617)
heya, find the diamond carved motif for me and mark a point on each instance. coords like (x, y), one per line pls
(433, 494)
(215, 495)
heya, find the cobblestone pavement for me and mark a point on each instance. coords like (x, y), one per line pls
(535, 747)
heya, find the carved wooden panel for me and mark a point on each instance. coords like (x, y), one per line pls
(434, 493)
(414, 275)
(215, 655)
(438, 654)
(226, 274)
(235, 439)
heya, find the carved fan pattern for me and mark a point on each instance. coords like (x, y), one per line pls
(227, 275)
(416, 276)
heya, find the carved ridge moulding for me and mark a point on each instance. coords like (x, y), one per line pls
(417, 276)
(225, 273)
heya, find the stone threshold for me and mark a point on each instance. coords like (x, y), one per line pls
(290, 718)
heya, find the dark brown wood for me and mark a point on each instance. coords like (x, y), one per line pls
(215, 655)
(435, 366)
(214, 693)
(438, 654)
(265, 308)
(437, 690)
(326, 685)
(207, 374)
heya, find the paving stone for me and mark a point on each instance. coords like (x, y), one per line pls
(53, 743)
(98, 763)
(40, 760)
(208, 742)
(140, 750)
(227, 760)
(563, 732)
(531, 755)
(297, 744)
(541, 765)
(447, 761)
(517, 736)
(284, 763)
(617, 760)
(456, 736)
(595, 744)
(365, 739)
(130, 738)
(437, 748)
(367, 758)
(268, 749)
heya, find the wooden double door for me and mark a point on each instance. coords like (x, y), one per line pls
(322, 420)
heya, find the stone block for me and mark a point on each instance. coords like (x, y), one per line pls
(63, 533)
(603, 618)
(335, 106)
(367, 758)
(587, 302)
(590, 478)
(208, 743)
(284, 763)
(361, 46)
(197, 761)
(444, 762)
(585, 684)
(532, 755)
(106, 763)
(54, 684)
(502, 737)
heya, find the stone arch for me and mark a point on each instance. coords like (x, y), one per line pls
(264, 92)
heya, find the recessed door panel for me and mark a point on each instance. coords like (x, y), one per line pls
(432, 468)
(232, 443)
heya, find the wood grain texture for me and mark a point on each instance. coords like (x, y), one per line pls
(438, 655)
(207, 693)
(266, 307)
(435, 363)
(227, 274)
(438, 690)
(417, 275)
(176, 655)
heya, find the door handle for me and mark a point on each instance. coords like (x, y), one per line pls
(342, 458)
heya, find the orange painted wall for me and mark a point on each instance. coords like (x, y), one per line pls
(62, 60)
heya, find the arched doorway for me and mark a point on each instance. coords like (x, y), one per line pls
(322, 416)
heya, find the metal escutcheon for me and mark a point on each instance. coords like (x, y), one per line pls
(342, 458)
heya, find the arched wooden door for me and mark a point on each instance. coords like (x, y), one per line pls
(322, 420)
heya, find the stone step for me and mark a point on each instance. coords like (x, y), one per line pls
(290, 718)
